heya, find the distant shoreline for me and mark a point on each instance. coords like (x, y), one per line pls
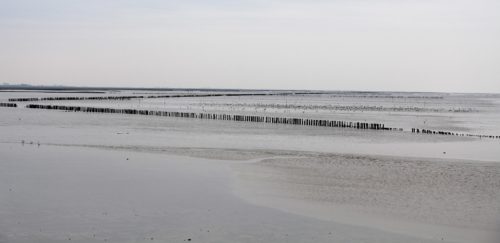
(93, 89)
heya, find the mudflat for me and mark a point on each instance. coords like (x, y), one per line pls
(89, 177)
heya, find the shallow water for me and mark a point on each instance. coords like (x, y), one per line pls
(115, 129)
(474, 113)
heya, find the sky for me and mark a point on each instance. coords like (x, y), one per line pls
(393, 45)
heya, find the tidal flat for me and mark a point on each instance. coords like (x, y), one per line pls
(104, 177)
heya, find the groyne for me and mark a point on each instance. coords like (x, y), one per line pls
(8, 105)
(252, 118)
(225, 117)
(129, 97)
(447, 133)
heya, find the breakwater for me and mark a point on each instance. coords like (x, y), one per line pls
(129, 97)
(251, 118)
(225, 117)
(8, 105)
(350, 108)
(428, 131)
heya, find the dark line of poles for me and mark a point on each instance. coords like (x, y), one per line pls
(8, 105)
(248, 118)
(226, 117)
(427, 131)
(149, 96)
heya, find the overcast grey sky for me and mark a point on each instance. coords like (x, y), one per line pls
(420, 45)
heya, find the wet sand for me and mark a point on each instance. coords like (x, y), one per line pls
(54, 193)
(431, 198)
(63, 194)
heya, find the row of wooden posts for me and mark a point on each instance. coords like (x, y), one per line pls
(227, 117)
(427, 131)
(247, 118)
(149, 96)
(8, 105)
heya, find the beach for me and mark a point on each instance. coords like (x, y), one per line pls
(91, 177)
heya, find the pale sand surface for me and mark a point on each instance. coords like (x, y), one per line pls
(63, 194)
(437, 199)
(456, 200)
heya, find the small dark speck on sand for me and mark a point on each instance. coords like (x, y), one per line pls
(127, 158)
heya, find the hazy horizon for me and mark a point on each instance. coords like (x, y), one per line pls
(223, 88)
(382, 45)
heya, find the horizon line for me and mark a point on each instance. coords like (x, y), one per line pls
(26, 86)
